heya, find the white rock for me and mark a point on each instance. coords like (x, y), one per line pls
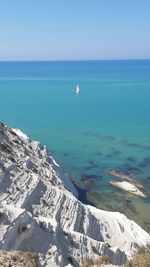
(40, 211)
(19, 133)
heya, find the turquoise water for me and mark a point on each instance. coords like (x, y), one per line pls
(106, 126)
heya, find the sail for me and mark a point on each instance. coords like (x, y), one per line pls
(77, 89)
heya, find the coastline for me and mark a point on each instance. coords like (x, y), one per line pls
(43, 211)
(86, 141)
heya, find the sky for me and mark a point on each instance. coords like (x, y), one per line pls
(74, 29)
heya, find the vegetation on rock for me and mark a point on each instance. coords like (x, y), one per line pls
(18, 258)
(102, 260)
(141, 258)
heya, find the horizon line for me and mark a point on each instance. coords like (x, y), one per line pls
(73, 60)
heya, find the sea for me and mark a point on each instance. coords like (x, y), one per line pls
(106, 126)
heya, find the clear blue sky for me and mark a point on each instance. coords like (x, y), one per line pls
(74, 29)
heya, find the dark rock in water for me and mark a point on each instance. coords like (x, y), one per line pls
(91, 162)
(88, 183)
(99, 153)
(145, 162)
(134, 171)
(142, 164)
(109, 155)
(116, 152)
(89, 180)
(108, 137)
(67, 154)
(140, 146)
(128, 201)
(131, 159)
(133, 145)
(91, 167)
(90, 177)
(130, 170)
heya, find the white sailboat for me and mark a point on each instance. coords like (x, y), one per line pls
(77, 90)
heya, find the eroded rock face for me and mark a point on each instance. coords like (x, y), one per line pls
(40, 210)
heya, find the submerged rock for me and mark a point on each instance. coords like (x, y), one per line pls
(129, 187)
(40, 210)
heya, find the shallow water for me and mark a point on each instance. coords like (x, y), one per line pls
(106, 126)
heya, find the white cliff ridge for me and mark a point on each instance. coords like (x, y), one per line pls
(40, 210)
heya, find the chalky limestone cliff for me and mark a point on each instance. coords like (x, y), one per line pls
(40, 210)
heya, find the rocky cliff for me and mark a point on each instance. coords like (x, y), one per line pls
(40, 211)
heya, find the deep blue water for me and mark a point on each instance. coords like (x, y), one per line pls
(106, 126)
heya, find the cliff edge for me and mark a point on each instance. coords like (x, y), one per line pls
(40, 211)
